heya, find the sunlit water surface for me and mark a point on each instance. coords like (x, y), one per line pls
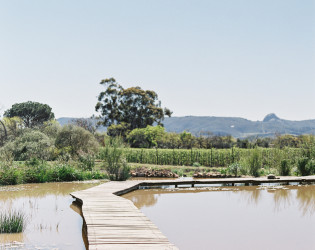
(254, 217)
(53, 220)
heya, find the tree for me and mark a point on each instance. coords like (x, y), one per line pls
(121, 130)
(187, 139)
(86, 123)
(4, 129)
(146, 137)
(133, 106)
(14, 127)
(33, 114)
(76, 140)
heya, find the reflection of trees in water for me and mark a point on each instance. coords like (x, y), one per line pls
(251, 194)
(144, 199)
(282, 199)
(255, 195)
(306, 198)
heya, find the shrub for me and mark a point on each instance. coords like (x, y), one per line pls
(30, 144)
(86, 161)
(310, 166)
(196, 164)
(76, 139)
(254, 163)
(303, 166)
(243, 169)
(12, 222)
(284, 168)
(115, 163)
(9, 175)
(36, 171)
(234, 169)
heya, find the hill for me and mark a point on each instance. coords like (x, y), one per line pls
(237, 127)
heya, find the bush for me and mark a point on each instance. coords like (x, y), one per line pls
(115, 163)
(9, 175)
(86, 161)
(234, 169)
(310, 166)
(284, 168)
(30, 144)
(36, 171)
(196, 164)
(243, 169)
(76, 139)
(254, 163)
(303, 166)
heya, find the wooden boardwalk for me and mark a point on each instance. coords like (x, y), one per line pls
(114, 222)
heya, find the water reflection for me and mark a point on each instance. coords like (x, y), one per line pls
(306, 198)
(267, 217)
(283, 196)
(53, 220)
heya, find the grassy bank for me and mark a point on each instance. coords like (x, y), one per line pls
(36, 171)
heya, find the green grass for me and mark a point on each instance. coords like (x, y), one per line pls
(40, 172)
(12, 222)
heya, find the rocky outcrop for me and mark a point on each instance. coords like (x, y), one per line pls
(212, 175)
(145, 172)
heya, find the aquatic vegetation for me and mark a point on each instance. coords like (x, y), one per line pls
(12, 222)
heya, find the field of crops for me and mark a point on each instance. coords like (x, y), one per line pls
(269, 157)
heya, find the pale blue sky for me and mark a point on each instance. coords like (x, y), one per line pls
(240, 58)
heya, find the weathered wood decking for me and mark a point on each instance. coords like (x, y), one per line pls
(115, 223)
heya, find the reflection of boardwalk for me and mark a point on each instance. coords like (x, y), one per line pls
(114, 222)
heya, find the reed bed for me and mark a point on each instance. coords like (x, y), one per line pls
(12, 222)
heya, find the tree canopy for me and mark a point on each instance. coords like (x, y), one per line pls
(133, 106)
(146, 137)
(33, 114)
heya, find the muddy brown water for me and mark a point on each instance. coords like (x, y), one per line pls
(53, 219)
(254, 217)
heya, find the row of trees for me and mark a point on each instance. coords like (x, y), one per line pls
(29, 130)
(157, 137)
(129, 113)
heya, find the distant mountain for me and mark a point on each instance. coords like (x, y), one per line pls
(237, 127)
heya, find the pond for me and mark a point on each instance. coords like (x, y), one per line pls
(254, 217)
(53, 219)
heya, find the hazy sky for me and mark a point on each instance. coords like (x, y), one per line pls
(240, 58)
